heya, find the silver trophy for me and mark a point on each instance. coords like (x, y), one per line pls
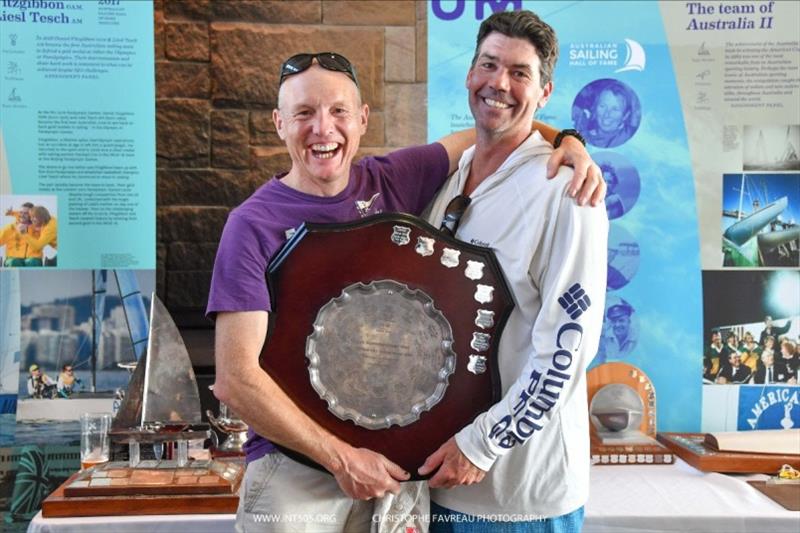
(229, 423)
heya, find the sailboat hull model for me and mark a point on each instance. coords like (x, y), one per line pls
(162, 407)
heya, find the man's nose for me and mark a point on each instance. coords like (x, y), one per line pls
(501, 80)
(323, 125)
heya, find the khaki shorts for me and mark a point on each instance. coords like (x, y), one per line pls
(281, 495)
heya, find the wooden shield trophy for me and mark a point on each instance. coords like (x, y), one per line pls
(385, 332)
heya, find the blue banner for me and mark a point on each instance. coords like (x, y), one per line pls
(768, 407)
(615, 82)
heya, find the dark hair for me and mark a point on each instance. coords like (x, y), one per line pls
(524, 25)
(28, 205)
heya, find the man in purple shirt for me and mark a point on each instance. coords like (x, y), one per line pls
(321, 119)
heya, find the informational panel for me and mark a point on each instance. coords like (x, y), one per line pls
(77, 228)
(77, 128)
(691, 111)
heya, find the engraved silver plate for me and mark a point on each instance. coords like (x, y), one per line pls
(483, 293)
(477, 364)
(400, 235)
(480, 341)
(485, 319)
(424, 246)
(380, 354)
(450, 257)
(474, 270)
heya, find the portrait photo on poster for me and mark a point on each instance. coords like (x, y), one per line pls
(28, 231)
(623, 257)
(622, 180)
(620, 331)
(751, 327)
(760, 216)
(771, 147)
(607, 112)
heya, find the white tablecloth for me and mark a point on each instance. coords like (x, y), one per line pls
(624, 499)
(679, 498)
(194, 523)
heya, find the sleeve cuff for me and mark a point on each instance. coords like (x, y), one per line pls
(473, 447)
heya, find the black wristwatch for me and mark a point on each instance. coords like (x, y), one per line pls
(571, 133)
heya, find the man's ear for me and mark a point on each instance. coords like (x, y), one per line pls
(364, 118)
(277, 119)
(546, 92)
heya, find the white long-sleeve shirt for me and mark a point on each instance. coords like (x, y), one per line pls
(534, 443)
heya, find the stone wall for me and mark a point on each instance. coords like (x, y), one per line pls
(216, 84)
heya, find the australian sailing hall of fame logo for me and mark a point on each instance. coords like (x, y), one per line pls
(765, 407)
(623, 56)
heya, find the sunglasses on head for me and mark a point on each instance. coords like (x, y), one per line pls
(327, 60)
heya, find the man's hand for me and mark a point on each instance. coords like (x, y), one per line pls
(454, 467)
(363, 474)
(587, 181)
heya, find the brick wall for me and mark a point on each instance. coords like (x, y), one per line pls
(216, 85)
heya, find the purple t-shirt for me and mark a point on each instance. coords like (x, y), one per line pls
(402, 181)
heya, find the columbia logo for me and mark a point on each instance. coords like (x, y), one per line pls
(575, 301)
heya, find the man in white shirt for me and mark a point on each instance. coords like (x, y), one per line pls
(523, 465)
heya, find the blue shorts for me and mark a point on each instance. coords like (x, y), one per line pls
(444, 520)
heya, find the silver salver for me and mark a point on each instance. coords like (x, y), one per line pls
(380, 354)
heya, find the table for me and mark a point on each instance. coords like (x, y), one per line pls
(624, 499)
(680, 498)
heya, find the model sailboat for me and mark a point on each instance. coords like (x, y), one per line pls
(163, 402)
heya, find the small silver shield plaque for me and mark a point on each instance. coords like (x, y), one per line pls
(474, 270)
(450, 257)
(424, 246)
(485, 319)
(480, 341)
(483, 293)
(401, 235)
(477, 364)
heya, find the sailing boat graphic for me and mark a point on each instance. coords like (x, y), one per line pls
(635, 58)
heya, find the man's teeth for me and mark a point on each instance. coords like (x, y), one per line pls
(324, 151)
(324, 147)
(496, 104)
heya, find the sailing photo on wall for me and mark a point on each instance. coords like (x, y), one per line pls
(78, 332)
(761, 220)
(771, 148)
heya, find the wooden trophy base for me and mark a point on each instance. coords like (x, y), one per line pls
(691, 447)
(651, 452)
(210, 487)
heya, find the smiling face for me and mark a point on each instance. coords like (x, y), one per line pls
(321, 120)
(25, 214)
(610, 111)
(505, 87)
(716, 338)
(621, 326)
